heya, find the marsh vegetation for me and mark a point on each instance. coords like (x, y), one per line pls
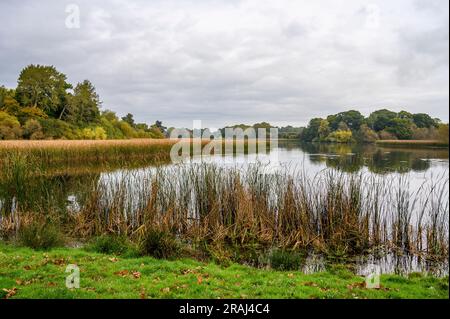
(339, 203)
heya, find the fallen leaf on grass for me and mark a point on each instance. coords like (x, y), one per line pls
(291, 275)
(188, 271)
(166, 290)
(59, 262)
(122, 273)
(51, 284)
(360, 285)
(20, 282)
(27, 267)
(136, 274)
(10, 292)
(142, 293)
(113, 259)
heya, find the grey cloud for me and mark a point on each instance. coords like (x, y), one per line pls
(238, 61)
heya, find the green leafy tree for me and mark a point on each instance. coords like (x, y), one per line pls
(324, 130)
(401, 128)
(43, 87)
(6, 94)
(161, 127)
(379, 120)
(405, 115)
(353, 119)
(312, 131)
(84, 105)
(10, 105)
(129, 119)
(424, 120)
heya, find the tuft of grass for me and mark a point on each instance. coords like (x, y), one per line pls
(112, 244)
(285, 260)
(159, 244)
(40, 234)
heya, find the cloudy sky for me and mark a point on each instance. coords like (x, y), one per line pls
(238, 61)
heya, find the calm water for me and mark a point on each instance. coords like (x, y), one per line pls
(421, 167)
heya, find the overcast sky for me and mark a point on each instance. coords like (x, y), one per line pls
(232, 61)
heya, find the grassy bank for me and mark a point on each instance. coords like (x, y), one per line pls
(432, 143)
(25, 273)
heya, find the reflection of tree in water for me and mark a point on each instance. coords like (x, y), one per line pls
(45, 192)
(396, 161)
(353, 157)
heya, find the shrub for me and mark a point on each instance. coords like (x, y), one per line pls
(9, 127)
(126, 129)
(33, 130)
(443, 133)
(366, 134)
(28, 113)
(111, 244)
(285, 260)
(98, 133)
(40, 234)
(57, 129)
(385, 135)
(159, 244)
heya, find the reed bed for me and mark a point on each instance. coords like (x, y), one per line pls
(244, 208)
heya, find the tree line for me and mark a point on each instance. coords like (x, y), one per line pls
(45, 106)
(352, 126)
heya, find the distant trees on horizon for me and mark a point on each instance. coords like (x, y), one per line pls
(352, 126)
(45, 106)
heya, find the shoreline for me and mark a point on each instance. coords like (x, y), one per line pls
(27, 273)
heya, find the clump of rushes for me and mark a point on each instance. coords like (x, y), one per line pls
(159, 244)
(38, 232)
(112, 244)
(285, 260)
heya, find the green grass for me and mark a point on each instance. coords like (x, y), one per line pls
(38, 274)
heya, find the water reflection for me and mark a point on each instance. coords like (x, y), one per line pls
(352, 158)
